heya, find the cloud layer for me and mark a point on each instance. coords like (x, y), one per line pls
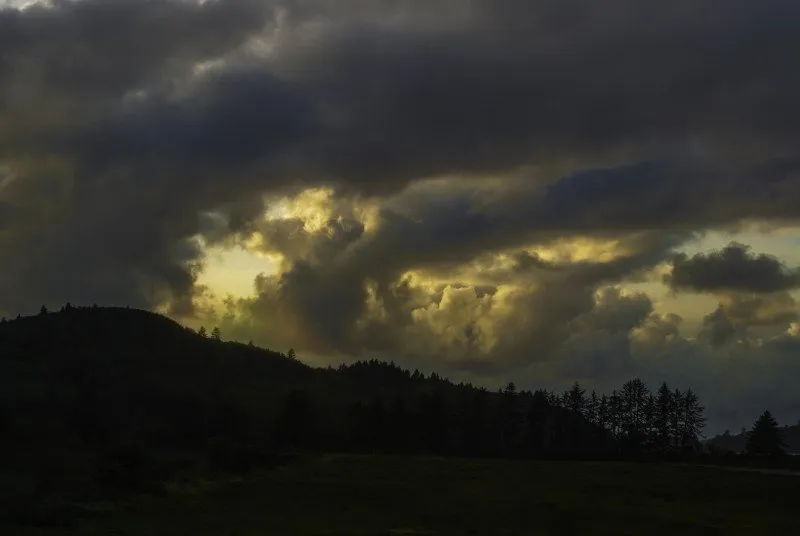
(464, 184)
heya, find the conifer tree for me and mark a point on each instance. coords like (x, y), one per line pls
(692, 420)
(675, 419)
(765, 439)
(663, 417)
(604, 412)
(649, 421)
(575, 399)
(593, 408)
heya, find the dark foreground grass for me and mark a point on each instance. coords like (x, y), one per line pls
(383, 496)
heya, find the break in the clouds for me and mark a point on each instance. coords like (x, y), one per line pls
(499, 188)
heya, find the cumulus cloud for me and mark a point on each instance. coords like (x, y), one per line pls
(745, 319)
(731, 269)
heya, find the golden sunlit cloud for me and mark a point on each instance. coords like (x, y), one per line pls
(316, 207)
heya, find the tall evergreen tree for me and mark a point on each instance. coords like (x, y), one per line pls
(692, 421)
(675, 419)
(634, 399)
(575, 399)
(615, 413)
(604, 412)
(593, 408)
(649, 422)
(766, 438)
(663, 417)
(216, 334)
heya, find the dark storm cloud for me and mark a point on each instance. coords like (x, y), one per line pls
(78, 232)
(643, 121)
(237, 118)
(88, 48)
(64, 64)
(377, 104)
(732, 269)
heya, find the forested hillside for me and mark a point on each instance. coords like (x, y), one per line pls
(97, 397)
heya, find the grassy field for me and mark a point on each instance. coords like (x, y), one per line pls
(385, 496)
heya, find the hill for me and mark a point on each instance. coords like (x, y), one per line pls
(98, 399)
(736, 443)
(124, 375)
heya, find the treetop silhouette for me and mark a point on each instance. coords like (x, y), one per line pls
(765, 439)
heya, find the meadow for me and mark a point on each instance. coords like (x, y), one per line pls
(372, 495)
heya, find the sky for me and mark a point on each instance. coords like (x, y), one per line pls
(539, 191)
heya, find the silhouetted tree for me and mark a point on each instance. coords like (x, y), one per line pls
(216, 334)
(43, 310)
(615, 413)
(633, 403)
(202, 331)
(663, 418)
(675, 419)
(575, 399)
(291, 354)
(604, 413)
(765, 439)
(692, 421)
(593, 408)
(649, 422)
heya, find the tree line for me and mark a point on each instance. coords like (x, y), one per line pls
(667, 421)
(462, 420)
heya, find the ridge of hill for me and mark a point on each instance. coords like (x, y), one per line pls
(96, 375)
(90, 330)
